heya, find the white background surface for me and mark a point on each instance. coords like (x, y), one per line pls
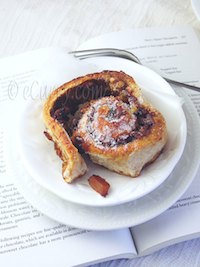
(29, 24)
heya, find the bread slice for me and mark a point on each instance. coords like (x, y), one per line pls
(105, 116)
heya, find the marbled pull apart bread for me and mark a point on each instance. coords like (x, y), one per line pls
(105, 116)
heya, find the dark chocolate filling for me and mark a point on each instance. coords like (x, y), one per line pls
(92, 89)
(65, 108)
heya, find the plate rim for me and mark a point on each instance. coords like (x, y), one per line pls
(110, 203)
(100, 223)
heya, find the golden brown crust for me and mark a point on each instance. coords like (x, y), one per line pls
(73, 163)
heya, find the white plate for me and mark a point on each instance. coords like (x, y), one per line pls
(44, 166)
(115, 217)
(196, 7)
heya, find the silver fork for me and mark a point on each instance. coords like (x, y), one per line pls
(113, 52)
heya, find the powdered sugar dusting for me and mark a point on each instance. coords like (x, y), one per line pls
(110, 122)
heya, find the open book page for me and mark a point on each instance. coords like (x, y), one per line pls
(173, 52)
(181, 221)
(27, 237)
(166, 50)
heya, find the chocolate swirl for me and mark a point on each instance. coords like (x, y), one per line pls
(110, 122)
(92, 112)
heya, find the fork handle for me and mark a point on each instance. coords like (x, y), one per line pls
(83, 54)
(192, 87)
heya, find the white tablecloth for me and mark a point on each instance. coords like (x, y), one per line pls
(31, 24)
